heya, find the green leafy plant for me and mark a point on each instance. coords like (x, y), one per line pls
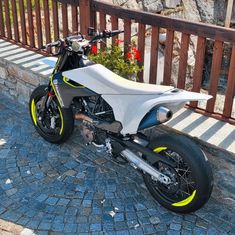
(113, 58)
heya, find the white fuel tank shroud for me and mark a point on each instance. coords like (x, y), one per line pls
(130, 100)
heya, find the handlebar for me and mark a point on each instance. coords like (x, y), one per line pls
(105, 34)
(91, 32)
(52, 44)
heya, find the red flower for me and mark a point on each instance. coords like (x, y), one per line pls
(133, 54)
(94, 49)
(136, 54)
(129, 55)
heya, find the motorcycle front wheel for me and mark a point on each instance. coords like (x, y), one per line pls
(55, 124)
(191, 180)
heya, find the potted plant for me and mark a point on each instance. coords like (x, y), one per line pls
(113, 58)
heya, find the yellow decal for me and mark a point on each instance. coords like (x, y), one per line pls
(65, 81)
(159, 149)
(62, 121)
(185, 201)
(33, 112)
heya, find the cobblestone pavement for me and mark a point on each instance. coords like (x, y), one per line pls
(72, 189)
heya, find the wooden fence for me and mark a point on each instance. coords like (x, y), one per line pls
(32, 23)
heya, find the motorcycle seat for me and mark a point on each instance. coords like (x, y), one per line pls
(103, 81)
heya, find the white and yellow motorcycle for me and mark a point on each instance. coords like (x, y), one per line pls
(113, 111)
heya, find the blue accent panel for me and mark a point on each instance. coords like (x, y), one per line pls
(149, 120)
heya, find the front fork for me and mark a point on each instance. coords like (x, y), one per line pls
(47, 100)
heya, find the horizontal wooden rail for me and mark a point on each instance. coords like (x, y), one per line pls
(193, 28)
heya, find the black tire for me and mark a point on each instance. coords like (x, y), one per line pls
(63, 118)
(192, 177)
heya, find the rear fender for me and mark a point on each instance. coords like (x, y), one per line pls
(173, 100)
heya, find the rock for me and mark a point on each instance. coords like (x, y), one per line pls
(132, 4)
(171, 3)
(1, 81)
(10, 85)
(152, 5)
(3, 73)
(22, 90)
(191, 11)
(212, 11)
(119, 2)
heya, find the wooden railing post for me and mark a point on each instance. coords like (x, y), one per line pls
(85, 15)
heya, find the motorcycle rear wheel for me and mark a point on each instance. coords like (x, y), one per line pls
(58, 124)
(192, 179)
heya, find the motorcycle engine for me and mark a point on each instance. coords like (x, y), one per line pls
(87, 132)
(91, 134)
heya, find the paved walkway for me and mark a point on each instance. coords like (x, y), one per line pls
(210, 130)
(72, 189)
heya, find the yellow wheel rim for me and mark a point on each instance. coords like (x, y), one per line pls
(186, 201)
(62, 121)
(33, 112)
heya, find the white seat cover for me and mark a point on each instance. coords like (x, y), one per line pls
(103, 81)
(130, 100)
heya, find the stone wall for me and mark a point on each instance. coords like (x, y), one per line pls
(17, 79)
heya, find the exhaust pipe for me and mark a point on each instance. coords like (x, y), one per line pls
(164, 114)
(155, 117)
(114, 127)
(139, 163)
(83, 117)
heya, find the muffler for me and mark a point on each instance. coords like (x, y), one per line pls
(155, 117)
(138, 162)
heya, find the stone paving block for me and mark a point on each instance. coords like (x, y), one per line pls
(94, 219)
(173, 232)
(140, 206)
(72, 228)
(71, 211)
(186, 232)
(63, 190)
(58, 227)
(83, 228)
(60, 210)
(175, 226)
(44, 226)
(33, 224)
(119, 217)
(39, 232)
(144, 220)
(131, 216)
(148, 229)
(142, 214)
(95, 227)
(120, 225)
(198, 230)
(81, 219)
(161, 227)
(52, 201)
(96, 211)
(123, 232)
(86, 203)
(133, 224)
(108, 227)
(137, 231)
